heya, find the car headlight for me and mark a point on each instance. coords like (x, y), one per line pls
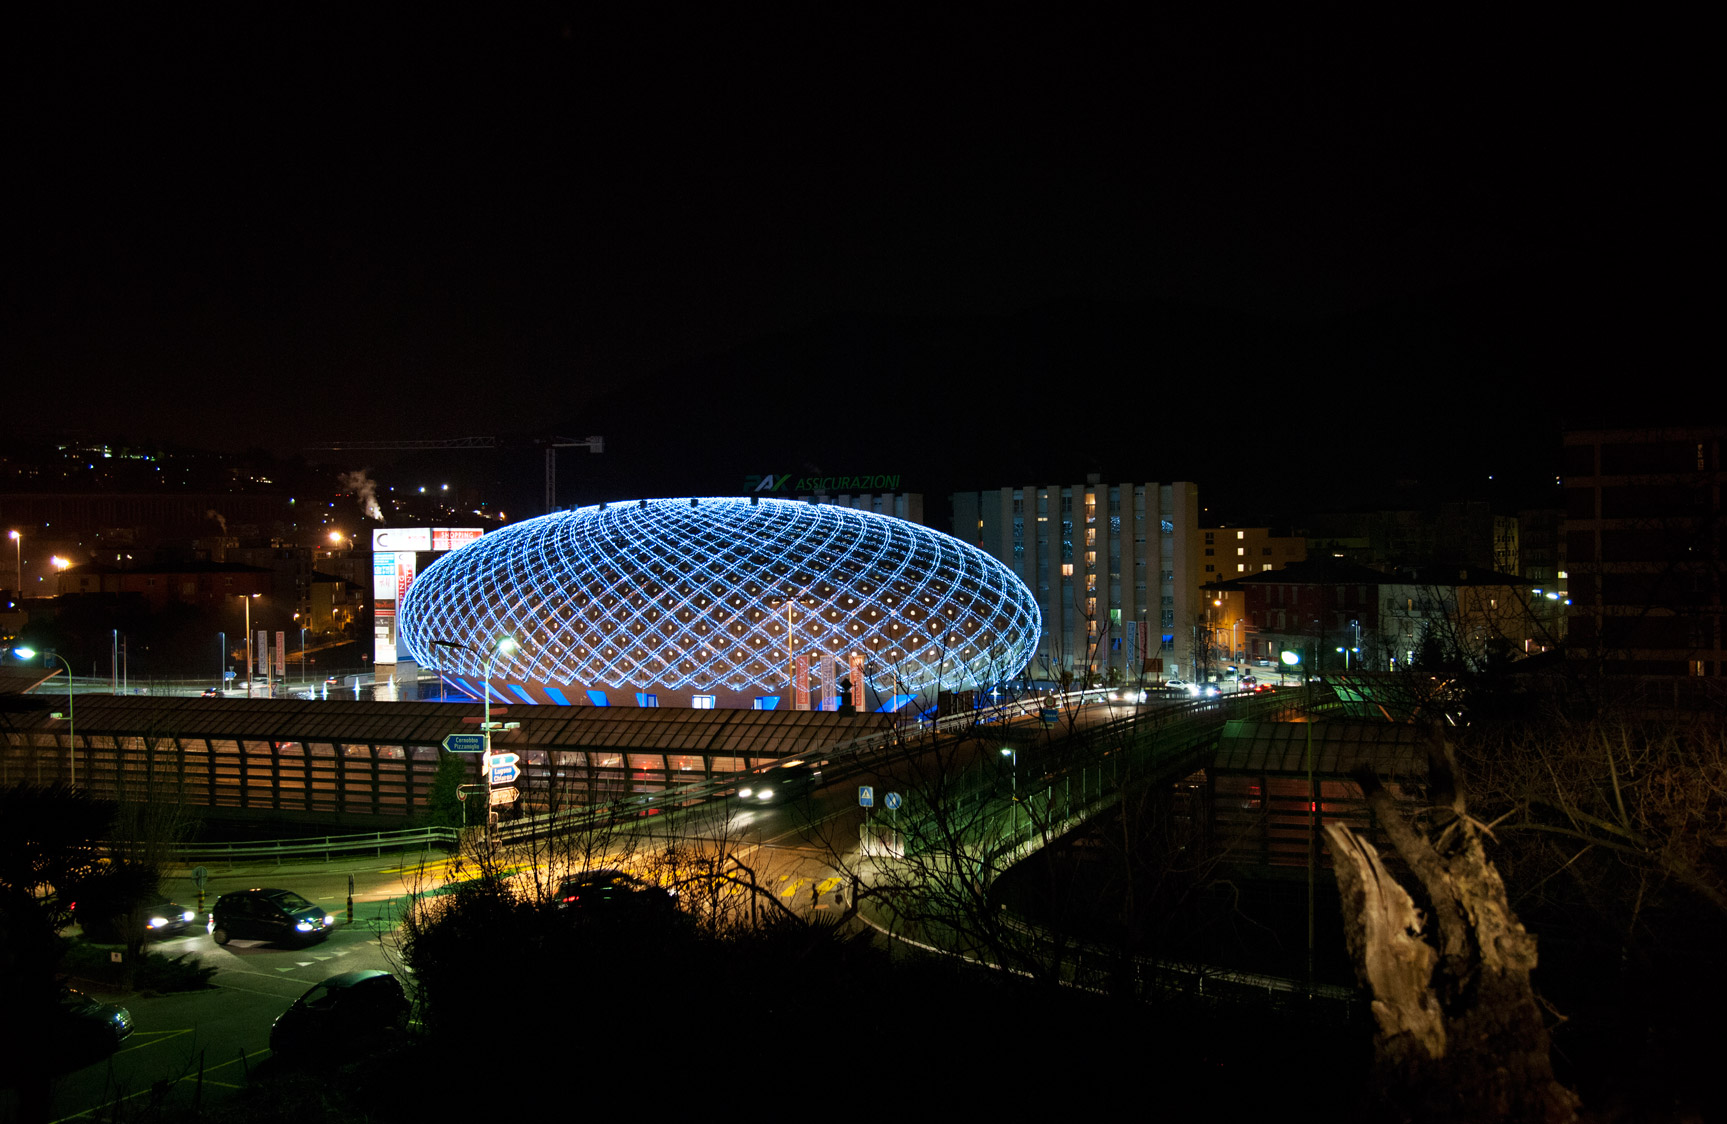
(304, 926)
(188, 915)
(329, 919)
(746, 793)
(765, 794)
(158, 922)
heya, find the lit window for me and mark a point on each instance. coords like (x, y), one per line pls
(702, 702)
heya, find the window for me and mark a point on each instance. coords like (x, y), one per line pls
(1210, 568)
(1067, 570)
(1209, 538)
(1240, 550)
(1241, 534)
(702, 702)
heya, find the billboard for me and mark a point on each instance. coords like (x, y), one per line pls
(395, 564)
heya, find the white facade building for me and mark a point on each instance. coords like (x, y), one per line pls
(1115, 569)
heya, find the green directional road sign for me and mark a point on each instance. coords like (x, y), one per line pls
(465, 743)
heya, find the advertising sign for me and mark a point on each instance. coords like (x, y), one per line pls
(282, 655)
(405, 568)
(384, 606)
(801, 681)
(263, 654)
(449, 538)
(402, 538)
(423, 538)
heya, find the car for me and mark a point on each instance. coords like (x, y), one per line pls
(346, 1013)
(1127, 695)
(85, 1029)
(786, 780)
(156, 917)
(281, 916)
(602, 894)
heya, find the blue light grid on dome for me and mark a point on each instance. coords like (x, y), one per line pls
(694, 595)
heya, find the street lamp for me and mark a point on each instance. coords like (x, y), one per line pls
(1012, 752)
(18, 543)
(1291, 659)
(71, 718)
(504, 644)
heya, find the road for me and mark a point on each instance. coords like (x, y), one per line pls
(192, 1046)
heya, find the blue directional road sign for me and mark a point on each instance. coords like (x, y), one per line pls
(866, 795)
(465, 743)
(504, 774)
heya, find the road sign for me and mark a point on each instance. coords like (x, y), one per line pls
(892, 800)
(504, 795)
(465, 743)
(866, 795)
(498, 759)
(505, 774)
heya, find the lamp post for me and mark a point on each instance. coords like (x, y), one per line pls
(1292, 658)
(1012, 752)
(302, 657)
(222, 661)
(71, 717)
(504, 644)
(18, 543)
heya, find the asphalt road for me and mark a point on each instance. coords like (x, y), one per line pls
(192, 1046)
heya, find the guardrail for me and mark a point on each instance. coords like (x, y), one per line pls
(329, 846)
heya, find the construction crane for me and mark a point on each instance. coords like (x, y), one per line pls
(550, 444)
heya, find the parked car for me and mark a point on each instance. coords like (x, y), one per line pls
(779, 783)
(156, 917)
(348, 1013)
(85, 1029)
(281, 916)
(614, 893)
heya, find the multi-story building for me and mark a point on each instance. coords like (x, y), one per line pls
(1643, 549)
(1115, 569)
(1233, 552)
(1471, 615)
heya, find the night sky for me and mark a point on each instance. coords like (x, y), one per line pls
(1304, 264)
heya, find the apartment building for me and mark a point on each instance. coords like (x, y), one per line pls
(1115, 569)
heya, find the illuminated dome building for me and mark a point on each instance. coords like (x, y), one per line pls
(720, 602)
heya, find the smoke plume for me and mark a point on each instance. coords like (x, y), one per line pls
(365, 490)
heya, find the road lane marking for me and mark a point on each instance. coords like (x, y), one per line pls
(151, 1089)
